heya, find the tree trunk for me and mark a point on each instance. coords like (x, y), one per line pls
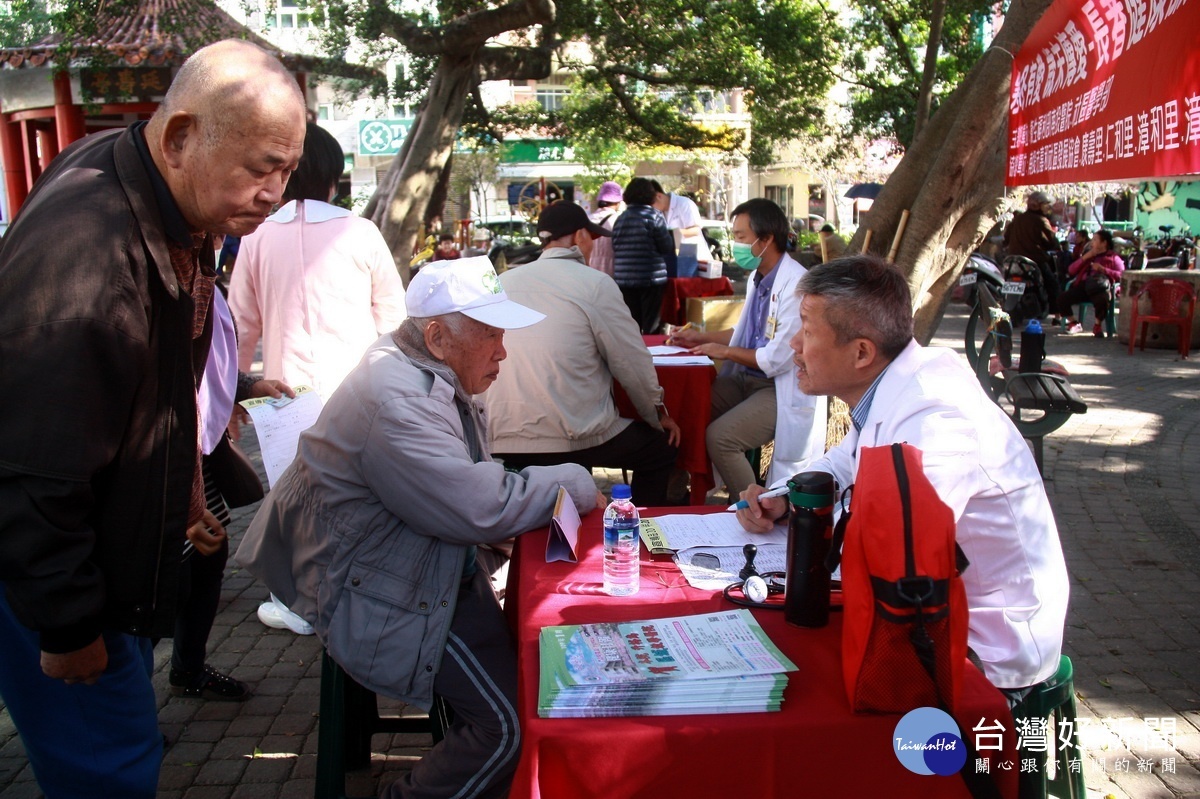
(925, 95)
(402, 200)
(952, 179)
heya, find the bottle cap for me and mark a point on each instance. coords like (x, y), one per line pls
(1033, 326)
(621, 491)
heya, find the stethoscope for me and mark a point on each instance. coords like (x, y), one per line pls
(764, 590)
(756, 590)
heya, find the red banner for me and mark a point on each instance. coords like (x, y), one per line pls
(1107, 90)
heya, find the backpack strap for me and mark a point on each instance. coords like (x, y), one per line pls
(834, 558)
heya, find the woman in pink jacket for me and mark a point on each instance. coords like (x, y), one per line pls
(1092, 278)
(316, 283)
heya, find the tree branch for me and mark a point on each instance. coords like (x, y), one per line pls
(514, 63)
(896, 31)
(655, 131)
(463, 33)
(646, 77)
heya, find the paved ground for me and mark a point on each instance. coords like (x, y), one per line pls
(1118, 479)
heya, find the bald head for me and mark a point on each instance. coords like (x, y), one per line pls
(228, 135)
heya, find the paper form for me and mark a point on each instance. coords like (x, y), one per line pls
(278, 427)
(710, 568)
(681, 531)
(681, 360)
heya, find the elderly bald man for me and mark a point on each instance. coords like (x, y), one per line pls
(107, 275)
(371, 533)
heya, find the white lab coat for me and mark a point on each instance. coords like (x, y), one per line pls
(799, 418)
(981, 467)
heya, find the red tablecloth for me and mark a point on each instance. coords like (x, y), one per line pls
(814, 747)
(686, 393)
(675, 295)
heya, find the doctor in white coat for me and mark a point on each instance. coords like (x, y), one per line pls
(856, 343)
(755, 399)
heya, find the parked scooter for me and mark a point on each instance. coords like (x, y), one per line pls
(1026, 290)
(979, 268)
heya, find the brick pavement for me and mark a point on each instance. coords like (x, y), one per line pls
(1117, 478)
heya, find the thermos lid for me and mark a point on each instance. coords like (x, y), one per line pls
(811, 490)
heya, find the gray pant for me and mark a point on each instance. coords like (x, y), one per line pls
(743, 418)
(478, 679)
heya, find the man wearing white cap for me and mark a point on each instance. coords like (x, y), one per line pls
(370, 535)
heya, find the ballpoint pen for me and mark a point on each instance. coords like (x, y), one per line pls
(774, 492)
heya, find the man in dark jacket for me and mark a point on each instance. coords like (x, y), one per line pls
(106, 278)
(1031, 234)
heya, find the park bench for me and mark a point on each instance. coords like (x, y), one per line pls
(1038, 402)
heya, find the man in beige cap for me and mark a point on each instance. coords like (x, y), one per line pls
(371, 533)
(108, 277)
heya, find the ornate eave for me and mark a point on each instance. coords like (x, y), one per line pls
(156, 33)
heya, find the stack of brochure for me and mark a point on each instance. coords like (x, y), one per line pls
(718, 662)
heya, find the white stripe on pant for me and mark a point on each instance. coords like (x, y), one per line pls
(478, 680)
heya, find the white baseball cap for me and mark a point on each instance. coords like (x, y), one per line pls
(468, 286)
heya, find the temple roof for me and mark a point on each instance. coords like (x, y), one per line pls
(163, 33)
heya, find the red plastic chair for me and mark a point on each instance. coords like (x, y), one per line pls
(1165, 295)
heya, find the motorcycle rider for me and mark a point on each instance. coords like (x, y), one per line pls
(1031, 234)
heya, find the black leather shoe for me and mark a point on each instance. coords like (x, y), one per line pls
(210, 684)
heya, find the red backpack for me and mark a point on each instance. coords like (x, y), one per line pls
(904, 641)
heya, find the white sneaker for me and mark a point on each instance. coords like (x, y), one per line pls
(273, 614)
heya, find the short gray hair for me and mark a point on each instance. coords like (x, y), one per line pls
(456, 322)
(865, 297)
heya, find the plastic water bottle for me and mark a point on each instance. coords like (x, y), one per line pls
(622, 575)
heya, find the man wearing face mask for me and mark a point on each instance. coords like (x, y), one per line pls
(755, 398)
(548, 408)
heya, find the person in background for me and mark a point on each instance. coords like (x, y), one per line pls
(856, 343)
(107, 274)
(833, 245)
(608, 208)
(755, 399)
(446, 249)
(1031, 234)
(371, 533)
(481, 241)
(317, 285)
(546, 409)
(1093, 276)
(227, 258)
(205, 553)
(684, 222)
(641, 243)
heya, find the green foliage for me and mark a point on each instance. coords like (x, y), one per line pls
(885, 55)
(664, 71)
(24, 22)
(647, 72)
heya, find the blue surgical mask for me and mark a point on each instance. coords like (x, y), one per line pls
(743, 255)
